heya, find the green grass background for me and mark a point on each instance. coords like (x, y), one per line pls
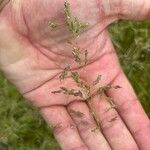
(21, 127)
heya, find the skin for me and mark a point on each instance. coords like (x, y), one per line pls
(33, 56)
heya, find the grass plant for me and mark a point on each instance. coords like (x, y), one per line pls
(132, 42)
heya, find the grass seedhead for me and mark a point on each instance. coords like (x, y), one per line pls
(117, 87)
(86, 58)
(76, 93)
(76, 113)
(64, 74)
(66, 91)
(77, 55)
(74, 25)
(96, 120)
(113, 119)
(112, 104)
(97, 81)
(67, 9)
(56, 92)
(53, 25)
(75, 76)
(80, 56)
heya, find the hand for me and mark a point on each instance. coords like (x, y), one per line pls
(33, 56)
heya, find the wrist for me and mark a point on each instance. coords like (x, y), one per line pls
(3, 4)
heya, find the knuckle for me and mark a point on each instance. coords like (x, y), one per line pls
(109, 121)
(139, 131)
(109, 118)
(82, 117)
(127, 105)
(60, 128)
(85, 125)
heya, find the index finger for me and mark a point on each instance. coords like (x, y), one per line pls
(131, 111)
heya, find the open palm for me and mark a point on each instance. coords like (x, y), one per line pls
(33, 56)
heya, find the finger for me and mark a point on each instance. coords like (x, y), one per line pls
(112, 126)
(131, 111)
(80, 113)
(65, 130)
(135, 9)
(127, 9)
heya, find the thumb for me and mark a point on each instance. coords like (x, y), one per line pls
(127, 9)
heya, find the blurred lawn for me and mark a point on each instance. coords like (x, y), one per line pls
(21, 128)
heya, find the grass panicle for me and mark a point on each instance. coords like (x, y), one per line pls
(53, 25)
(64, 73)
(75, 26)
(76, 113)
(18, 119)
